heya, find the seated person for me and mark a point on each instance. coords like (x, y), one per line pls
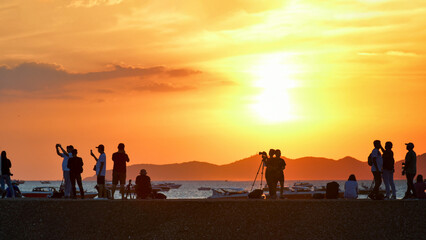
(420, 187)
(351, 188)
(143, 185)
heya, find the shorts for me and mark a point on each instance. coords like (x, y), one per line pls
(118, 177)
(101, 180)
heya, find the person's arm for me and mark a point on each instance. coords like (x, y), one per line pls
(57, 150)
(63, 150)
(127, 160)
(93, 155)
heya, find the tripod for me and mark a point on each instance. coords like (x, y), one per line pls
(262, 165)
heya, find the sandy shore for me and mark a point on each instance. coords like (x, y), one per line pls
(207, 219)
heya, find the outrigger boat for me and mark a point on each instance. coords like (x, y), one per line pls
(229, 193)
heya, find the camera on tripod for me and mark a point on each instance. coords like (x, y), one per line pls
(403, 169)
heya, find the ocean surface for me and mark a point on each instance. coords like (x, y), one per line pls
(189, 189)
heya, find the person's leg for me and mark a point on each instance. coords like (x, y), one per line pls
(67, 183)
(411, 184)
(392, 184)
(122, 184)
(386, 178)
(73, 190)
(377, 182)
(80, 185)
(2, 186)
(9, 184)
(272, 191)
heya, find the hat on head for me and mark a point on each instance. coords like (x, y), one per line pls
(410, 145)
(102, 147)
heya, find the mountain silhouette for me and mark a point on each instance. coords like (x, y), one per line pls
(306, 168)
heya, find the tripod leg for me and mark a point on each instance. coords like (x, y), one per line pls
(256, 177)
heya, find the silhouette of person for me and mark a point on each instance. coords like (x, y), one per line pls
(65, 170)
(420, 187)
(281, 171)
(410, 170)
(5, 166)
(351, 188)
(129, 189)
(376, 168)
(119, 170)
(75, 164)
(143, 185)
(272, 173)
(100, 169)
(388, 170)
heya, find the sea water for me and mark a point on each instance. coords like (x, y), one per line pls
(189, 189)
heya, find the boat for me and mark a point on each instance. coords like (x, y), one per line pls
(204, 189)
(365, 190)
(301, 190)
(17, 182)
(229, 193)
(49, 192)
(45, 182)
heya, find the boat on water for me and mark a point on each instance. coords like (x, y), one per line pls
(229, 193)
(51, 192)
(204, 189)
(302, 190)
(45, 182)
(17, 182)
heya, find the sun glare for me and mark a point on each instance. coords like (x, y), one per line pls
(274, 78)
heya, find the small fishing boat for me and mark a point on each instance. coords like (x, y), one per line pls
(229, 193)
(204, 189)
(51, 192)
(17, 182)
(45, 182)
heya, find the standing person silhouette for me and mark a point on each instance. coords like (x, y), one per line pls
(282, 165)
(388, 170)
(5, 164)
(100, 169)
(376, 168)
(410, 170)
(272, 173)
(75, 164)
(65, 170)
(119, 170)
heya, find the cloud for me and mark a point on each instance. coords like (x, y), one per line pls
(401, 54)
(93, 3)
(164, 87)
(42, 76)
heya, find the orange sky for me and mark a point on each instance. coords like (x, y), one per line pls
(212, 81)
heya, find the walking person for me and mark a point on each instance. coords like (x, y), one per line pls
(120, 159)
(351, 188)
(143, 185)
(100, 169)
(376, 168)
(75, 164)
(65, 170)
(410, 170)
(5, 165)
(388, 170)
(282, 165)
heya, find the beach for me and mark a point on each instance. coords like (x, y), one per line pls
(211, 219)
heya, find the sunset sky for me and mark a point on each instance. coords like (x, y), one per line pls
(213, 81)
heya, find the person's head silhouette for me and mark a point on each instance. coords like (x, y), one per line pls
(377, 143)
(277, 153)
(410, 146)
(74, 152)
(121, 147)
(388, 145)
(101, 148)
(271, 153)
(70, 148)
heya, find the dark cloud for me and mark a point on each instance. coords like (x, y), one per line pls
(164, 87)
(41, 76)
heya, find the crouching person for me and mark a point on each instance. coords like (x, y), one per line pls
(143, 185)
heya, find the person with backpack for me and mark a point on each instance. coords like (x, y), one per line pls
(410, 170)
(75, 164)
(5, 165)
(375, 160)
(143, 185)
(388, 170)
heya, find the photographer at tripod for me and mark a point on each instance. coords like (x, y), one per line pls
(272, 173)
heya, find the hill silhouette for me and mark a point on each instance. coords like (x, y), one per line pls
(306, 168)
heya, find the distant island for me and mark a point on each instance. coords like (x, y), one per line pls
(306, 168)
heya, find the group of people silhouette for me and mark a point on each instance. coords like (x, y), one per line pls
(275, 166)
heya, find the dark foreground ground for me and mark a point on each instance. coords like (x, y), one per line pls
(206, 219)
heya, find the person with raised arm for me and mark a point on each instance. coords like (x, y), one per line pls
(100, 169)
(65, 170)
